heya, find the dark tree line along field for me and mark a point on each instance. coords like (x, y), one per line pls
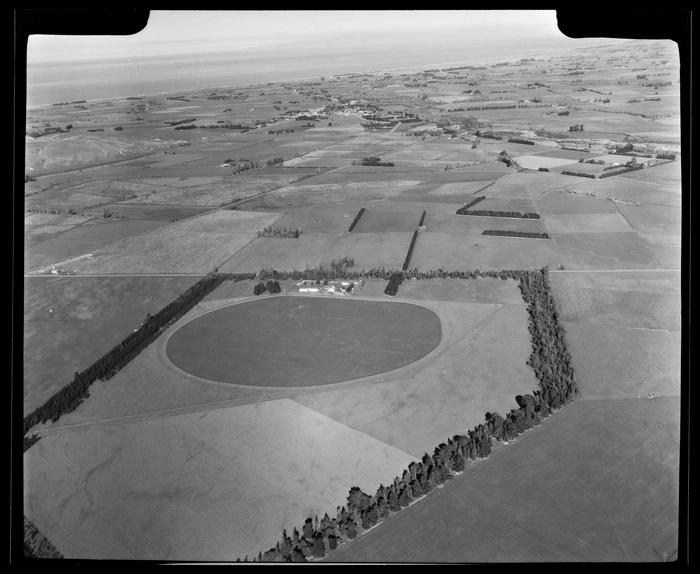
(491, 213)
(551, 362)
(357, 219)
(526, 234)
(407, 261)
(461, 210)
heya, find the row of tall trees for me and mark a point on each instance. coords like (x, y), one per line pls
(492, 213)
(473, 202)
(578, 174)
(521, 141)
(357, 219)
(322, 272)
(620, 171)
(506, 233)
(551, 362)
(70, 396)
(407, 261)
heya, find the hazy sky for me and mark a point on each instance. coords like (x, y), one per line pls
(175, 31)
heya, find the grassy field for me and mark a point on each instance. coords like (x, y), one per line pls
(608, 463)
(527, 185)
(416, 411)
(633, 190)
(276, 253)
(640, 300)
(371, 250)
(619, 250)
(195, 486)
(474, 251)
(386, 221)
(195, 245)
(652, 360)
(562, 203)
(587, 223)
(69, 322)
(303, 341)
(538, 161)
(83, 238)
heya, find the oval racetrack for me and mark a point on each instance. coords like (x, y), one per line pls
(288, 341)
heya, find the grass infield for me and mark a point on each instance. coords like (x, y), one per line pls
(303, 341)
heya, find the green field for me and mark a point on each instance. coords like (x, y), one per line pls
(303, 341)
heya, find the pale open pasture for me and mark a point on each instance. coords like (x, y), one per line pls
(198, 486)
(195, 245)
(603, 250)
(450, 251)
(587, 223)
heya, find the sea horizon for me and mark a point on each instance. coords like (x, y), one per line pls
(52, 83)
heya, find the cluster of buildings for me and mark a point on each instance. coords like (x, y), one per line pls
(326, 287)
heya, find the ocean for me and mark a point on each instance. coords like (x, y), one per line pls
(49, 83)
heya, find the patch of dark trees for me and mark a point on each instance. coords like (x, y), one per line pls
(543, 169)
(270, 286)
(47, 131)
(491, 213)
(551, 363)
(357, 219)
(223, 126)
(374, 162)
(68, 103)
(489, 135)
(74, 393)
(97, 130)
(392, 287)
(620, 171)
(576, 128)
(407, 261)
(134, 98)
(180, 122)
(119, 129)
(505, 233)
(521, 141)
(422, 219)
(578, 174)
(30, 440)
(482, 108)
(564, 113)
(666, 155)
